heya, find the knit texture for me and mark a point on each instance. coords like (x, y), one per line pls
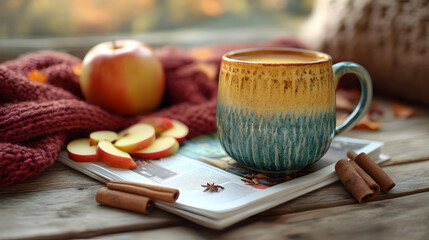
(38, 119)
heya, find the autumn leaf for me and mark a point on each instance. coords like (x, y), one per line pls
(402, 111)
(208, 69)
(367, 123)
(36, 76)
(77, 69)
(201, 53)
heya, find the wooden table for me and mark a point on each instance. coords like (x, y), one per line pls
(60, 203)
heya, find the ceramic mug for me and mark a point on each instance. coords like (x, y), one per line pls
(276, 107)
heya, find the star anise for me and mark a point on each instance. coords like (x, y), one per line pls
(212, 187)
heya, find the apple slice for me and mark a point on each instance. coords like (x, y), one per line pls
(159, 123)
(136, 137)
(162, 147)
(179, 131)
(80, 151)
(111, 156)
(97, 136)
(123, 132)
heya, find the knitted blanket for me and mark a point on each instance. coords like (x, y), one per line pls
(38, 119)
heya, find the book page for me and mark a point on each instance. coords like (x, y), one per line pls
(188, 175)
(202, 160)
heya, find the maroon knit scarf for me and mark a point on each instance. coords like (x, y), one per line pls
(38, 119)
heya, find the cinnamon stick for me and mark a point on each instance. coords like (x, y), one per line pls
(375, 171)
(152, 191)
(375, 188)
(124, 200)
(351, 154)
(368, 179)
(353, 181)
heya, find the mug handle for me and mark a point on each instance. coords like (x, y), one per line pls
(366, 93)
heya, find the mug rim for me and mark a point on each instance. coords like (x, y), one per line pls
(321, 56)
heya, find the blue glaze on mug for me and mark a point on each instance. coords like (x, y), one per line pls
(281, 142)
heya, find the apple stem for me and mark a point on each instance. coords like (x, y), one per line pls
(114, 46)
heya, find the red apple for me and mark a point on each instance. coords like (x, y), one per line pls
(136, 137)
(123, 76)
(162, 147)
(111, 156)
(179, 131)
(97, 136)
(79, 150)
(159, 123)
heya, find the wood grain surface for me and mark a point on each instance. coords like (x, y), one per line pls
(60, 203)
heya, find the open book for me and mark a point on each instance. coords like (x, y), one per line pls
(202, 160)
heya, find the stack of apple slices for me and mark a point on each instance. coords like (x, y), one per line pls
(151, 138)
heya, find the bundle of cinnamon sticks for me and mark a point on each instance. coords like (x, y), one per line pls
(362, 177)
(134, 196)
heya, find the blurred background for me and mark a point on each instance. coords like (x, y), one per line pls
(76, 25)
(390, 38)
